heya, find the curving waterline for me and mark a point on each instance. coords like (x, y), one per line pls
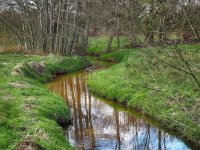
(104, 125)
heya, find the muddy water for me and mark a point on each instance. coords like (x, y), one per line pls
(103, 125)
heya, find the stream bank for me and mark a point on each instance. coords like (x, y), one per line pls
(29, 114)
(100, 124)
(166, 94)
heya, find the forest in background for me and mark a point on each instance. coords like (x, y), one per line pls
(65, 26)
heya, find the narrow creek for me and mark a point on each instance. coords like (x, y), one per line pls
(104, 125)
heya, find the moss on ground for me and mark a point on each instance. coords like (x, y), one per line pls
(29, 114)
(142, 82)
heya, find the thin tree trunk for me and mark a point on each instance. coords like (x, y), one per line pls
(110, 42)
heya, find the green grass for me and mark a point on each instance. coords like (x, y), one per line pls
(99, 44)
(168, 95)
(29, 114)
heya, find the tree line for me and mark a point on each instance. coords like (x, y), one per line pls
(64, 26)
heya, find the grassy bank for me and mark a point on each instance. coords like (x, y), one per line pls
(30, 114)
(144, 83)
(99, 44)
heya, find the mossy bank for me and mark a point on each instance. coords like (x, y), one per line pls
(29, 113)
(143, 82)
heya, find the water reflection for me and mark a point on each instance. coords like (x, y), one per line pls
(98, 125)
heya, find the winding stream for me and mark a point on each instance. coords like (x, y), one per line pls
(104, 125)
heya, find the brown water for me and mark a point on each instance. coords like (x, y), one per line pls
(104, 125)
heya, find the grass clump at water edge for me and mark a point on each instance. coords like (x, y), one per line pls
(29, 113)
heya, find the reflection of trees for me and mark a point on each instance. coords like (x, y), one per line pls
(147, 138)
(90, 122)
(159, 140)
(80, 114)
(94, 120)
(65, 88)
(118, 141)
(82, 123)
(71, 92)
